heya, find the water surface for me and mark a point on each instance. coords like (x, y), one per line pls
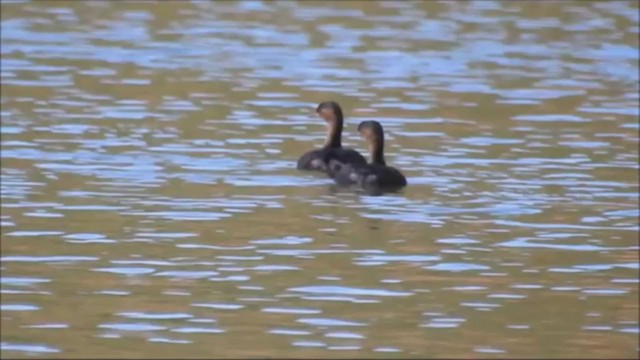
(151, 206)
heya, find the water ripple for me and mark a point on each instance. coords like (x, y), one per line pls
(344, 290)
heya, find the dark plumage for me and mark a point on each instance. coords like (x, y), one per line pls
(315, 160)
(376, 174)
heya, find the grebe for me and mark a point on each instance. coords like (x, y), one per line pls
(331, 112)
(374, 175)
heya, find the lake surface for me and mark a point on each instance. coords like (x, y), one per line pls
(151, 206)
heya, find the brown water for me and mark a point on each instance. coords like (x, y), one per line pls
(151, 206)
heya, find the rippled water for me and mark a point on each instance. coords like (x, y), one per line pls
(151, 206)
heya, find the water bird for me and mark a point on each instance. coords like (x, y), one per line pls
(374, 175)
(314, 160)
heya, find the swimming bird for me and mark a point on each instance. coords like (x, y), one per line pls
(374, 175)
(314, 160)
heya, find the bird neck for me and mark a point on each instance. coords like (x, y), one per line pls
(334, 135)
(376, 149)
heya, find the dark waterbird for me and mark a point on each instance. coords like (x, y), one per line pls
(314, 160)
(376, 175)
